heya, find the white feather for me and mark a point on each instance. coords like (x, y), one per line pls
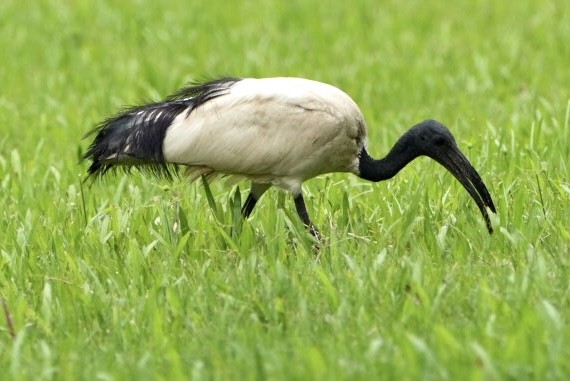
(279, 131)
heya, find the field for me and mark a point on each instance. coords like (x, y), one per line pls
(138, 278)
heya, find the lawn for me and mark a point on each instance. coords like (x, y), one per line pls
(132, 277)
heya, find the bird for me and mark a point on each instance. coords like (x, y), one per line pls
(278, 132)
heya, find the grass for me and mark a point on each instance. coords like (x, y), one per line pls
(135, 278)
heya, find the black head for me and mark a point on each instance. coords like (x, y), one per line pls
(429, 137)
(433, 139)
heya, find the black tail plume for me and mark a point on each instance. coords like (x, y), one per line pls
(134, 137)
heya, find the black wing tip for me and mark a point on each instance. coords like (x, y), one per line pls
(203, 90)
(165, 171)
(105, 151)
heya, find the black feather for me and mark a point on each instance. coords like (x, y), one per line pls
(134, 137)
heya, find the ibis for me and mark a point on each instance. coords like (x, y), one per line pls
(273, 131)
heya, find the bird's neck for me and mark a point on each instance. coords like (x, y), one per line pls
(387, 167)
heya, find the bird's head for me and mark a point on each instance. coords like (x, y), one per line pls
(433, 139)
(430, 138)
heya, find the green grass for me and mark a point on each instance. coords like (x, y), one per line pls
(135, 278)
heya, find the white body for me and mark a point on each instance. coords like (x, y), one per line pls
(274, 131)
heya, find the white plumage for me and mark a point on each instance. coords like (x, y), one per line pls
(273, 131)
(321, 130)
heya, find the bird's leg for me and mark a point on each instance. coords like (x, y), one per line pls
(257, 190)
(304, 215)
(248, 205)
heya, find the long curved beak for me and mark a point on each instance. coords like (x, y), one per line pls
(456, 163)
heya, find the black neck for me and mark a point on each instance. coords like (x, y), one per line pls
(388, 167)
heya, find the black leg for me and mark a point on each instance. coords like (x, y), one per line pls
(304, 215)
(257, 190)
(248, 205)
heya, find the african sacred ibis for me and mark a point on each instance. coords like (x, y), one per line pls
(273, 131)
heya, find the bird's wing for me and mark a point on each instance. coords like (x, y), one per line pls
(269, 130)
